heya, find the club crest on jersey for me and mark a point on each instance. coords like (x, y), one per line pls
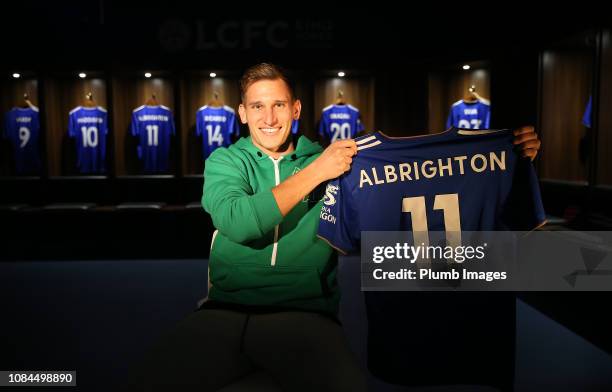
(330, 195)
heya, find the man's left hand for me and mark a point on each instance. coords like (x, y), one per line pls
(527, 141)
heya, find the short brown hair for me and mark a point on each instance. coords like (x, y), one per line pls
(264, 71)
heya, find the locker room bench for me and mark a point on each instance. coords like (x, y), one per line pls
(90, 231)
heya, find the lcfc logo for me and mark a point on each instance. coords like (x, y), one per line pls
(330, 195)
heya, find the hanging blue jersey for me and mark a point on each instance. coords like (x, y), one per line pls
(340, 122)
(22, 129)
(154, 126)
(295, 126)
(466, 115)
(586, 119)
(216, 125)
(476, 174)
(89, 127)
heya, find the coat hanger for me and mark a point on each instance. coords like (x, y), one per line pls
(471, 96)
(152, 101)
(89, 102)
(215, 101)
(25, 103)
(340, 98)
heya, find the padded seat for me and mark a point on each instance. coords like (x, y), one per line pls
(69, 206)
(141, 206)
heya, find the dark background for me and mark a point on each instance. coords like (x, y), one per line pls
(403, 72)
(541, 67)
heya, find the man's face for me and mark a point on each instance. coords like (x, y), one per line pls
(268, 110)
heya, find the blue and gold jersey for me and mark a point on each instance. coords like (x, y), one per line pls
(458, 180)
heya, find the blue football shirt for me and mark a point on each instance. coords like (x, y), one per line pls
(470, 115)
(399, 184)
(22, 130)
(216, 125)
(295, 126)
(340, 122)
(154, 127)
(89, 127)
(586, 119)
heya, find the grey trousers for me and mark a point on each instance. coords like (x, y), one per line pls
(218, 349)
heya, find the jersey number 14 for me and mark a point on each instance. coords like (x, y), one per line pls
(214, 135)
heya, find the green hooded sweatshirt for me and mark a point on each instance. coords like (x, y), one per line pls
(257, 257)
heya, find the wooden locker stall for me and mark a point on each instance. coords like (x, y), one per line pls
(198, 88)
(62, 93)
(304, 91)
(565, 87)
(130, 91)
(355, 89)
(13, 92)
(449, 85)
(604, 136)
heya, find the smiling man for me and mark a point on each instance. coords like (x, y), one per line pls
(260, 193)
(273, 299)
(272, 279)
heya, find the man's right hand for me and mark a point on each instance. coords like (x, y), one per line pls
(335, 160)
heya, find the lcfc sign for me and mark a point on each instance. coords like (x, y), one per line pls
(242, 35)
(176, 35)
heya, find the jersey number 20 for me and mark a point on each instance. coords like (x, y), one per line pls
(340, 131)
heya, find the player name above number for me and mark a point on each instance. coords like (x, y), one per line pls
(339, 116)
(441, 167)
(88, 120)
(215, 118)
(153, 117)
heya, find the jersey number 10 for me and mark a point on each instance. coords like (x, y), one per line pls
(89, 136)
